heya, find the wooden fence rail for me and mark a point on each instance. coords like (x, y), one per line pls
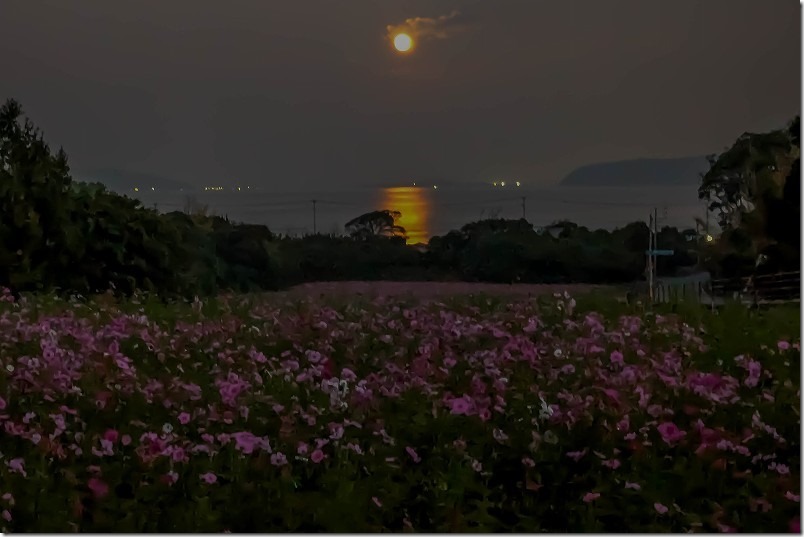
(762, 289)
(779, 288)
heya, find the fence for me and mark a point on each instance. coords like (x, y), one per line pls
(765, 289)
(779, 288)
(693, 288)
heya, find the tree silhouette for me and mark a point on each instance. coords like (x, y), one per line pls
(376, 224)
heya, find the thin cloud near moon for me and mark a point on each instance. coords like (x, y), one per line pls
(421, 28)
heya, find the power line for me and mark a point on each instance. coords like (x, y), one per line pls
(298, 202)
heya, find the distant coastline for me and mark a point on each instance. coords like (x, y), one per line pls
(653, 172)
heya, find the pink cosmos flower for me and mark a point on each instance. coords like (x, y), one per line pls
(413, 454)
(531, 327)
(576, 455)
(459, 406)
(2, 404)
(613, 464)
(209, 478)
(528, 462)
(783, 345)
(279, 459)
(792, 497)
(671, 434)
(616, 358)
(591, 496)
(184, 418)
(111, 435)
(613, 394)
(377, 502)
(624, 424)
(245, 442)
(754, 373)
(795, 525)
(633, 486)
(18, 466)
(179, 455)
(660, 508)
(172, 477)
(107, 447)
(125, 440)
(317, 456)
(98, 487)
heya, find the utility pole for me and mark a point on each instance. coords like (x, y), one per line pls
(651, 247)
(523, 208)
(315, 228)
(654, 260)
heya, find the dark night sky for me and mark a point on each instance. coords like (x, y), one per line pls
(310, 91)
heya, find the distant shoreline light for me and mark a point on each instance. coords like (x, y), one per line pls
(206, 188)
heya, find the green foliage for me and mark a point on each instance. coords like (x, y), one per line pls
(755, 188)
(57, 234)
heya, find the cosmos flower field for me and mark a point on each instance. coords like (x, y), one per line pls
(471, 413)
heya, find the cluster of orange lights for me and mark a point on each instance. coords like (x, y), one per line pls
(215, 188)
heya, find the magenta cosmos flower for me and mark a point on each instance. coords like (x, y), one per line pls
(98, 487)
(591, 496)
(460, 405)
(671, 434)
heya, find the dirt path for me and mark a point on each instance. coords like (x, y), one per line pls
(436, 289)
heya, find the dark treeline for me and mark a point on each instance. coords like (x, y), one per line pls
(60, 235)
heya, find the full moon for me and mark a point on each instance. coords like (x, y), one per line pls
(403, 42)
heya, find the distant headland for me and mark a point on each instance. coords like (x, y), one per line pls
(639, 172)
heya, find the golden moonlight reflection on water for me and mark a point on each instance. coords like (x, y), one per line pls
(414, 205)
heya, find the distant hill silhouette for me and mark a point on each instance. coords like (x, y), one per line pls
(640, 172)
(125, 181)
